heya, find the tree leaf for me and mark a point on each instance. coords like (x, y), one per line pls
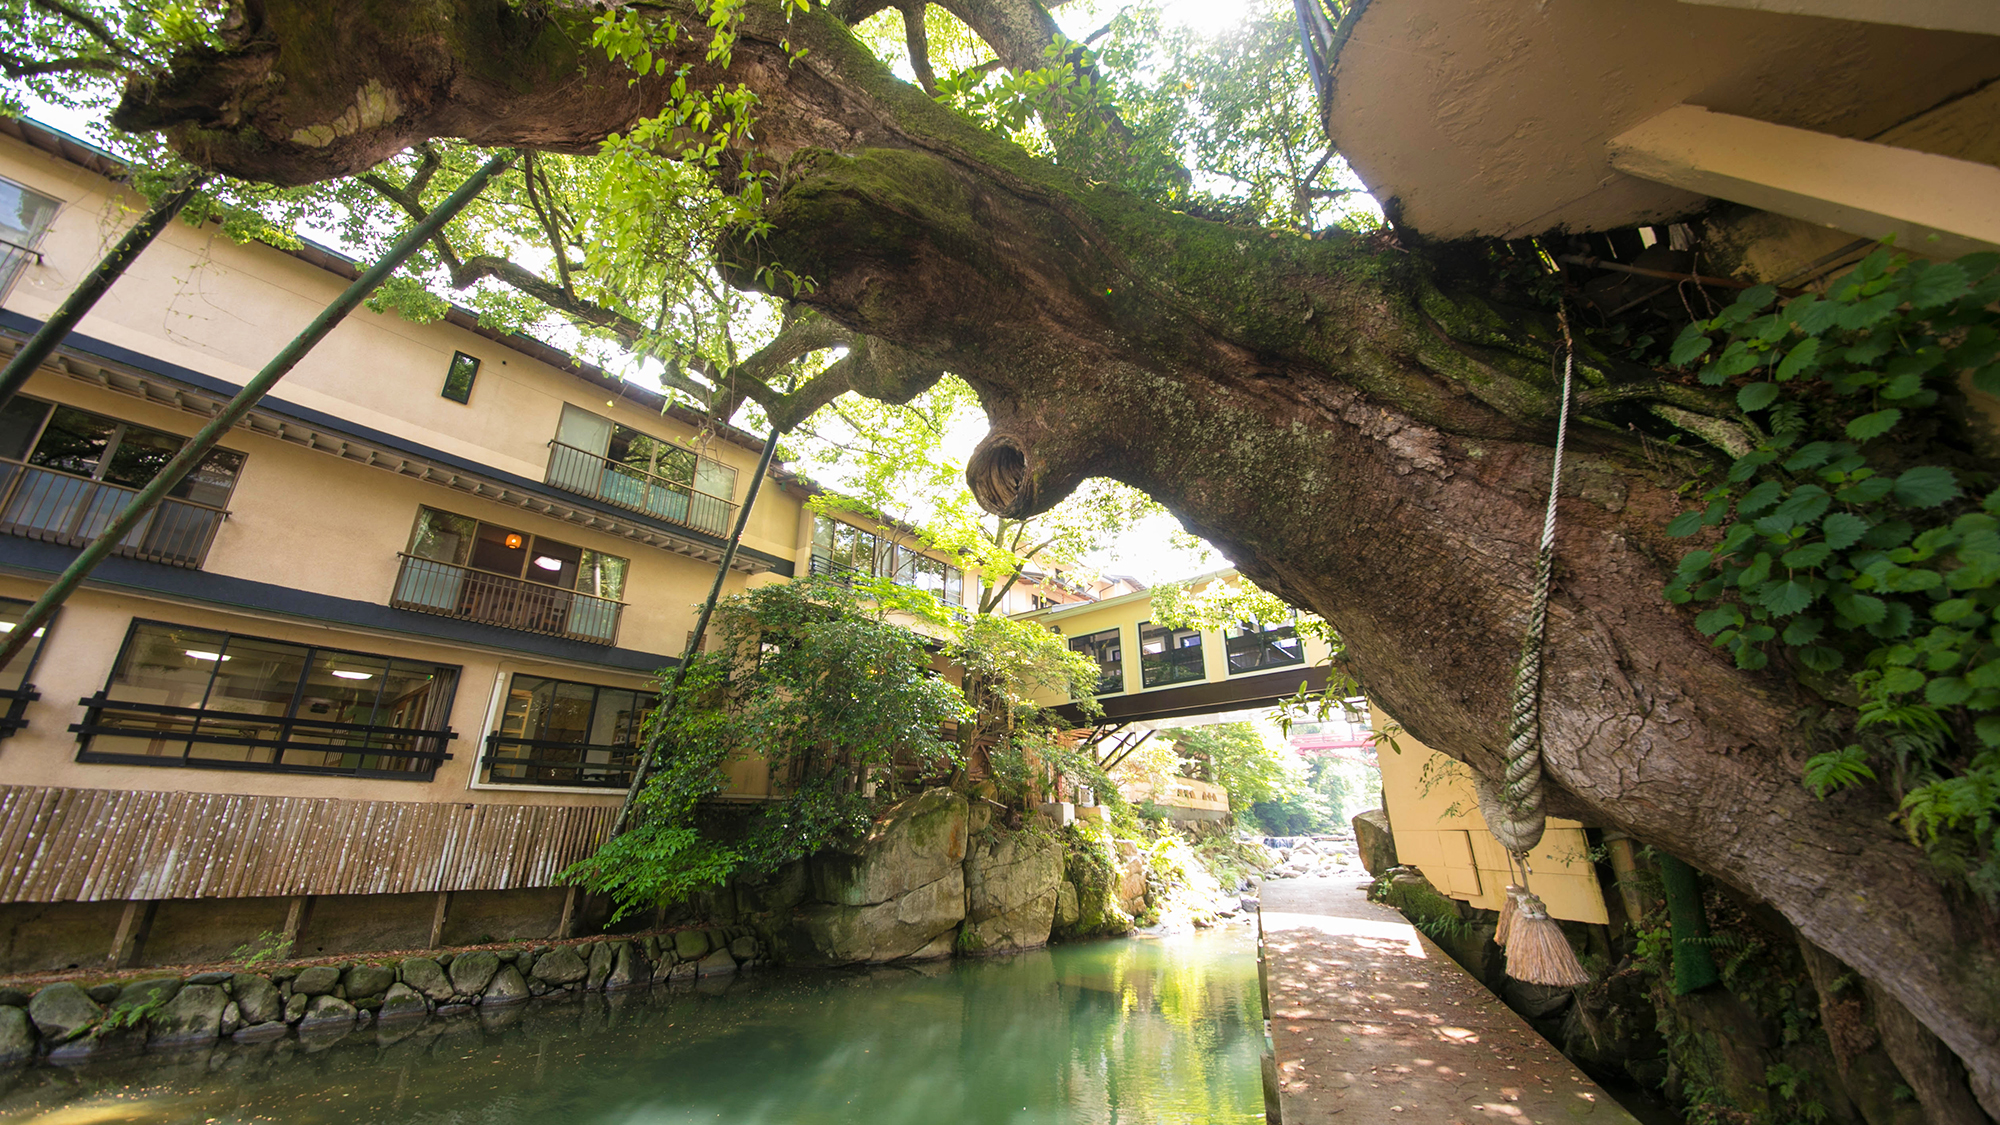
(1689, 346)
(1936, 283)
(1715, 620)
(1874, 425)
(1787, 597)
(1806, 557)
(1843, 530)
(1926, 486)
(1802, 356)
(1760, 498)
(1757, 396)
(1684, 525)
(1947, 691)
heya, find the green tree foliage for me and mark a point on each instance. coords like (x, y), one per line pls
(1267, 785)
(885, 458)
(834, 685)
(841, 704)
(1867, 568)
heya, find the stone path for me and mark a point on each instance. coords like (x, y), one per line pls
(1371, 1022)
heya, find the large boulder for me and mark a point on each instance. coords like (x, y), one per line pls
(908, 925)
(256, 998)
(61, 1010)
(17, 1035)
(1012, 886)
(1132, 886)
(470, 972)
(1376, 843)
(320, 980)
(915, 843)
(194, 1015)
(560, 966)
(427, 977)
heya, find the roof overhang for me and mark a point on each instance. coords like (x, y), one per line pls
(1495, 117)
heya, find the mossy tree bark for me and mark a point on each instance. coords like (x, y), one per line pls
(1353, 432)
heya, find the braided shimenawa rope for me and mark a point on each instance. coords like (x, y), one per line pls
(1519, 828)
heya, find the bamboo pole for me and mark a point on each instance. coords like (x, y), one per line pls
(108, 269)
(673, 693)
(203, 441)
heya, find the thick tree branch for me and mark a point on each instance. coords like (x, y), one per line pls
(919, 45)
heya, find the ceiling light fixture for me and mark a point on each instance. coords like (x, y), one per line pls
(547, 563)
(346, 675)
(205, 655)
(513, 542)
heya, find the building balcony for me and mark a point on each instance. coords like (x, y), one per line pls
(558, 764)
(59, 508)
(634, 489)
(449, 590)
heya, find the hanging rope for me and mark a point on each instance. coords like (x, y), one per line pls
(1519, 825)
(1537, 952)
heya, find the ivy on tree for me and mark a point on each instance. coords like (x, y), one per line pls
(1836, 547)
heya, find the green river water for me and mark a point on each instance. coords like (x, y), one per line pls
(1161, 1031)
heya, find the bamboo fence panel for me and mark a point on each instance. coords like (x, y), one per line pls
(97, 845)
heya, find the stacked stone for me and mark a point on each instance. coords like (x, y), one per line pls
(67, 1021)
(1313, 857)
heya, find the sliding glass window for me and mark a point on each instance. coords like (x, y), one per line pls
(1256, 645)
(461, 567)
(1168, 655)
(16, 688)
(185, 696)
(1109, 653)
(563, 733)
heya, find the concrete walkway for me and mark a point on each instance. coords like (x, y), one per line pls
(1371, 1022)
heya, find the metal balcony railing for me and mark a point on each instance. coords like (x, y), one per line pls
(1174, 666)
(537, 761)
(221, 739)
(60, 508)
(580, 470)
(448, 590)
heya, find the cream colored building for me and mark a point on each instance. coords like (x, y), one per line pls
(374, 675)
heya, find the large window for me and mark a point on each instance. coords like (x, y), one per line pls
(65, 474)
(185, 696)
(1109, 652)
(16, 690)
(461, 567)
(598, 457)
(24, 217)
(1255, 645)
(1167, 655)
(557, 732)
(842, 548)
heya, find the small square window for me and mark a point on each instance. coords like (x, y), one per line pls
(458, 380)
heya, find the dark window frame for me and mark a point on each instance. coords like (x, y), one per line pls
(18, 698)
(1170, 666)
(1109, 682)
(886, 560)
(1248, 650)
(470, 365)
(43, 500)
(96, 707)
(612, 775)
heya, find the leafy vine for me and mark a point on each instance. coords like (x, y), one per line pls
(1859, 538)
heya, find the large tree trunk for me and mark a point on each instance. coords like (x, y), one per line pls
(1356, 438)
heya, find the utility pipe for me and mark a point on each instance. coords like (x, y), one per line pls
(203, 441)
(108, 269)
(673, 693)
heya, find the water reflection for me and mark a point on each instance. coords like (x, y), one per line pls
(1155, 1031)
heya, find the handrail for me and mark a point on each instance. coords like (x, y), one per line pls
(615, 774)
(452, 590)
(196, 718)
(178, 533)
(580, 470)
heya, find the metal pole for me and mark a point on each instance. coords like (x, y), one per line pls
(202, 442)
(673, 693)
(108, 269)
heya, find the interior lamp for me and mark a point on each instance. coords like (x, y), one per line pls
(513, 541)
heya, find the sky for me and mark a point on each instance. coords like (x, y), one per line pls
(1149, 552)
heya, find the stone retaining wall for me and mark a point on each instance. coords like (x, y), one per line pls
(70, 1020)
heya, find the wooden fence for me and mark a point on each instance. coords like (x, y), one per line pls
(98, 845)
